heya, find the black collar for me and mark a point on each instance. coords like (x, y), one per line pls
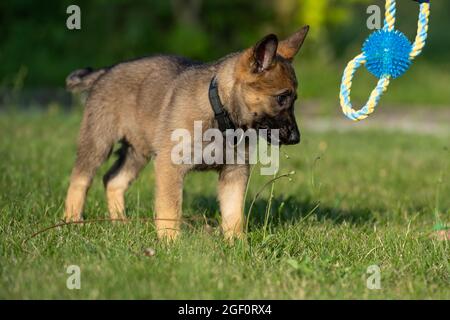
(220, 114)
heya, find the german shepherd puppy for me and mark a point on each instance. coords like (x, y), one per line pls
(139, 103)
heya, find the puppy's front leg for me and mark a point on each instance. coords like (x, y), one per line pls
(232, 184)
(168, 198)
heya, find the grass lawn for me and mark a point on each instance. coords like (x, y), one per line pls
(356, 200)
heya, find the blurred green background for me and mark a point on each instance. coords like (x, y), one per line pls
(38, 51)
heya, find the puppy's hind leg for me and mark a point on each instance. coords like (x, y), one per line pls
(120, 176)
(93, 150)
(80, 181)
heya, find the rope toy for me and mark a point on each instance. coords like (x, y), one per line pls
(387, 54)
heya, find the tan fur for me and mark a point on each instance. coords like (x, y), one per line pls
(288, 48)
(115, 193)
(76, 196)
(231, 190)
(139, 103)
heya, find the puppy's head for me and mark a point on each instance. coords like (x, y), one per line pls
(266, 85)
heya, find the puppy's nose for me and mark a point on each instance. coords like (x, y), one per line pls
(294, 137)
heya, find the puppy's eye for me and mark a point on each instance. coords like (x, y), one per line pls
(282, 98)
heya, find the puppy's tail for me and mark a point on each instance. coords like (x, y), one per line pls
(83, 79)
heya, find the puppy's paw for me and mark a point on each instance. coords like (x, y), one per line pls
(231, 236)
(118, 218)
(168, 234)
(73, 219)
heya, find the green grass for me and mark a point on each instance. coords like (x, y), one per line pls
(357, 199)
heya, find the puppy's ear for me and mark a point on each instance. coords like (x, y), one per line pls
(264, 53)
(288, 48)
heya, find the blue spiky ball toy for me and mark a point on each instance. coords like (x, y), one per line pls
(387, 53)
